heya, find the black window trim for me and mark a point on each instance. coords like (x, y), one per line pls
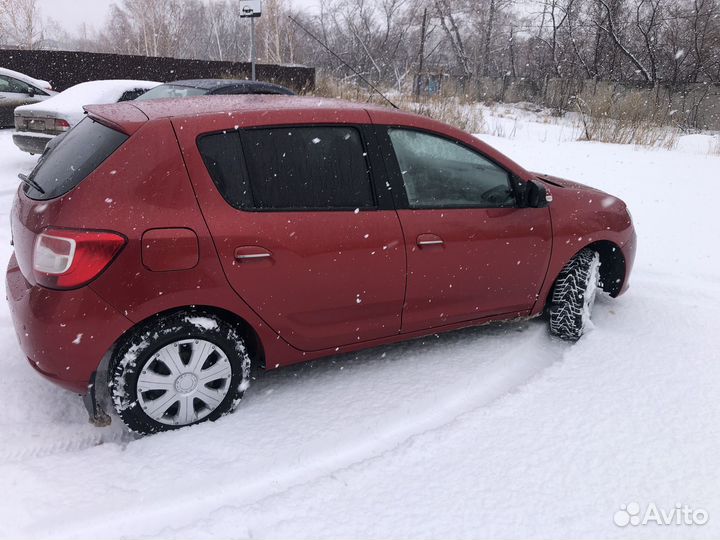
(398, 185)
(366, 137)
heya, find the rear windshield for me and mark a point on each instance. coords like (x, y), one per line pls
(66, 162)
(172, 91)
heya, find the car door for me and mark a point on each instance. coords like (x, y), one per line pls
(471, 252)
(13, 93)
(9, 99)
(304, 235)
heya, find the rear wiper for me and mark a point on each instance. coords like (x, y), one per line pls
(32, 183)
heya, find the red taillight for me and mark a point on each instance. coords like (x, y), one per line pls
(61, 125)
(67, 258)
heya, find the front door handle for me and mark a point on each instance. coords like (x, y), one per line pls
(429, 240)
(251, 253)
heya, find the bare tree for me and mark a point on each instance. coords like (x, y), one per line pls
(20, 23)
(656, 41)
(612, 30)
(446, 12)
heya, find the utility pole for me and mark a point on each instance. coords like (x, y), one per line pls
(252, 46)
(251, 9)
(418, 82)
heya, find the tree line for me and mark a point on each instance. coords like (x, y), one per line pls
(389, 41)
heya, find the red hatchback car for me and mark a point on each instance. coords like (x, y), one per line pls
(164, 246)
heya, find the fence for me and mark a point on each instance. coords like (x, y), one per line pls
(67, 68)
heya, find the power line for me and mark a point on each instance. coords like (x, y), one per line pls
(328, 49)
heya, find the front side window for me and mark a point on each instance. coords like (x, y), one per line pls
(290, 168)
(440, 173)
(14, 86)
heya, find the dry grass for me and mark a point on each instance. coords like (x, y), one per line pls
(624, 119)
(500, 129)
(715, 146)
(449, 109)
(604, 116)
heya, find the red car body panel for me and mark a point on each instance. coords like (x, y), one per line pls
(335, 281)
(582, 216)
(491, 261)
(334, 278)
(64, 334)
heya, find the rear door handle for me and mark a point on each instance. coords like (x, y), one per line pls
(251, 253)
(428, 240)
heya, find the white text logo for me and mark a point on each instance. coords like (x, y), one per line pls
(680, 514)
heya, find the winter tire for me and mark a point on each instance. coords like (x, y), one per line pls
(177, 370)
(574, 294)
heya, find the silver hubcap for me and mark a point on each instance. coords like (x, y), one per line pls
(184, 382)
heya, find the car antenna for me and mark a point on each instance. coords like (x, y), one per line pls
(328, 49)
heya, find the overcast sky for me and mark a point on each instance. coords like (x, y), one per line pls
(72, 13)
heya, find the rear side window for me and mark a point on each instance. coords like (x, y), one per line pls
(171, 91)
(290, 168)
(222, 155)
(132, 94)
(65, 164)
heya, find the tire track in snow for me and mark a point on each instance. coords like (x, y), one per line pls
(505, 374)
(28, 442)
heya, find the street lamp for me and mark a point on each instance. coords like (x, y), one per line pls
(251, 9)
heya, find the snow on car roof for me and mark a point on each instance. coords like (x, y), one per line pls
(198, 105)
(44, 85)
(70, 102)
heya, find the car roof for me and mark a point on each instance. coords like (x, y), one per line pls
(218, 85)
(215, 104)
(69, 104)
(44, 85)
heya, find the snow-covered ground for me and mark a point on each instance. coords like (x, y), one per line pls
(499, 431)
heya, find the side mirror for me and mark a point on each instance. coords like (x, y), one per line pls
(536, 195)
(31, 91)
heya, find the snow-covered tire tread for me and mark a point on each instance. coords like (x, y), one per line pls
(569, 309)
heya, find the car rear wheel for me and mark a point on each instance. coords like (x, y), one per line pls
(574, 295)
(178, 370)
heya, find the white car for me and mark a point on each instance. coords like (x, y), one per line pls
(19, 89)
(38, 124)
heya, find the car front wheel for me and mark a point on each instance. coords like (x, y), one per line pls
(574, 295)
(178, 370)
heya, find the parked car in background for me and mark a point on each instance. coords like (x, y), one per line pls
(164, 247)
(19, 89)
(207, 87)
(37, 124)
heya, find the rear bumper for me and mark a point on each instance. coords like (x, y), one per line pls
(33, 143)
(64, 334)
